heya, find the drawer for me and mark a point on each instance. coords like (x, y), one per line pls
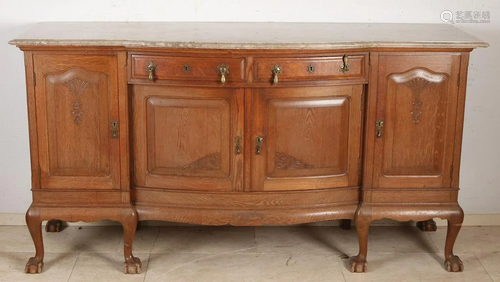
(186, 68)
(310, 68)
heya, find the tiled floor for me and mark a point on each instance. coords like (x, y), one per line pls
(218, 254)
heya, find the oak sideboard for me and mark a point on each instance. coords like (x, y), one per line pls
(245, 124)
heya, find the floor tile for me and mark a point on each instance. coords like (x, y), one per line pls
(105, 267)
(470, 239)
(242, 267)
(16, 239)
(328, 239)
(145, 238)
(491, 262)
(204, 239)
(398, 239)
(57, 267)
(298, 240)
(291, 253)
(71, 239)
(426, 267)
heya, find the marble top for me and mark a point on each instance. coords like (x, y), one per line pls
(212, 35)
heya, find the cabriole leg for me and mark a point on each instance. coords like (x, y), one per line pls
(133, 264)
(34, 222)
(358, 263)
(452, 262)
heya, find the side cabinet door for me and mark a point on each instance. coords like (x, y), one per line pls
(76, 102)
(310, 137)
(188, 138)
(417, 101)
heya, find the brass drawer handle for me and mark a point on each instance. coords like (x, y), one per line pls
(259, 140)
(345, 64)
(151, 70)
(275, 70)
(237, 140)
(379, 125)
(223, 71)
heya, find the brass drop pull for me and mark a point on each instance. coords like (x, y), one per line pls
(258, 141)
(379, 125)
(114, 129)
(275, 70)
(237, 141)
(223, 71)
(345, 64)
(151, 70)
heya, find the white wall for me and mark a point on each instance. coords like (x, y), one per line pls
(480, 173)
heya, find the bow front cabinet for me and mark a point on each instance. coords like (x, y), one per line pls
(263, 123)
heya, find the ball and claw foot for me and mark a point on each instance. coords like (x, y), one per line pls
(358, 265)
(427, 226)
(454, 264)
(53, 225)
(34, 266)
(133, 266)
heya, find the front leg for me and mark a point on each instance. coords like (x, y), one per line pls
(452, 262)
(358, 263)
(133, 264)
(35, 264)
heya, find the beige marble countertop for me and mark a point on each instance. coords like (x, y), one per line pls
(212, 35)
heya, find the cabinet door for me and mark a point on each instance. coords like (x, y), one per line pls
(417, 100)
(76, 102)
(310, 137)
(187, 138)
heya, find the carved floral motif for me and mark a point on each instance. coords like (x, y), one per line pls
(76, 86)
(418, 80)
(417, 86)
(211, 162)
(284, 161)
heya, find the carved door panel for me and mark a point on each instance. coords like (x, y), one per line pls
(310, 137)
(417, 97)
(188, 138)
(76, 102)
